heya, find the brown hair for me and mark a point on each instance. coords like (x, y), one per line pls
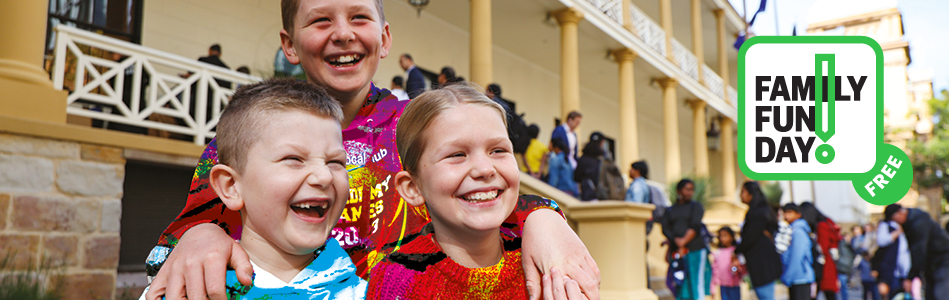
(253, 104)
(289, 8)
(573, 115)
(421, 111)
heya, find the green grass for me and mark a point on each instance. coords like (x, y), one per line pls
(31, 283)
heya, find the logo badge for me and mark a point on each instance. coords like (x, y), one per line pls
(811, 108)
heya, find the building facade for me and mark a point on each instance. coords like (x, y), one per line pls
(656, 76)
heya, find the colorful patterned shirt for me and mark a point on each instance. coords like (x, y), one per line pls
(421, 270)
(375, 219)
(330, 276)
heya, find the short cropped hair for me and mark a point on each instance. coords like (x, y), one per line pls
(791, 207)
(419, 114)
(407, 56)
(397, 80)
(891, 210)
(449, 73)
(533, 131)
(642, 168)
(215, 47)
(289, 9)
(560, 145)
(573, 115)
(251, 107)
(495, 89)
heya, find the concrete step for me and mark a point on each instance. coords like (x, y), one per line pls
(658, 285)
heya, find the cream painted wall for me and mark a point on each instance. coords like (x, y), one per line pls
(535, 89)
(248, 30)
(432, 42)
(248, 34)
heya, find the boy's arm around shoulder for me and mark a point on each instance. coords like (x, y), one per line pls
(203, 249)
(548, 242)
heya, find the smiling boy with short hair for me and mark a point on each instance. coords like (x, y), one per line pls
(282, 165)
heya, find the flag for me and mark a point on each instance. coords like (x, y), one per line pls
(741, 36)
(794, 31)
(760, 10)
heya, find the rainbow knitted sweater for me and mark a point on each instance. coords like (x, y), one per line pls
(421, 270)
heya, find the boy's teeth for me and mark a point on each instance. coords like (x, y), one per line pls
(482, 196)
(345, 59)
(320, 209)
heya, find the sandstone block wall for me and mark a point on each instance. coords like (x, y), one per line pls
(60, 202)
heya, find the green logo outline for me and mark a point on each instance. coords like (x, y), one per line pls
(878, 51)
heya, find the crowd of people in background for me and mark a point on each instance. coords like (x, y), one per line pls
(590, 174)
(904, 256)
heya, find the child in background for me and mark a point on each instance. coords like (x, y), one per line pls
(560, 174)
(282, 165)
(726, 271)
(458, 164)
(683, 228)
(536, 157)
(869, 281)
(798, 261)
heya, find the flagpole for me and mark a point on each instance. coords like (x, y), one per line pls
(745, 12)
(776, 31)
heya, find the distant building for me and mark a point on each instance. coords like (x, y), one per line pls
(905, 112)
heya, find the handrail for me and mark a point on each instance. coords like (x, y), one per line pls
(161, 84)
(611, 8)
(531, 185)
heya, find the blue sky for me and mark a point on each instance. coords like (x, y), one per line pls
(925, 23)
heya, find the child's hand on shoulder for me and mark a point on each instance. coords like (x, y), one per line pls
(560, 287)
(548, 242)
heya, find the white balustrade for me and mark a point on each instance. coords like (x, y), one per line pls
(685, 59)
(648, 30)
(713, 81)
(140, 86)
(612, 8)
(732, 96)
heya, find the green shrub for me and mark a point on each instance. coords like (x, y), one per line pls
(703, 190)
(40, 282)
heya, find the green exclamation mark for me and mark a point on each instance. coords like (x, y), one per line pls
(824, 152)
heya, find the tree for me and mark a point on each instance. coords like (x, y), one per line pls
(930, 157)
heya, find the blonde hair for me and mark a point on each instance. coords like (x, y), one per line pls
(421, 111)
(253, 104)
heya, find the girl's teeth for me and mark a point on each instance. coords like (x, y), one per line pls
(480, 196)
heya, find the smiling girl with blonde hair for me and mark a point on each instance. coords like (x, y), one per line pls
(458, 163)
